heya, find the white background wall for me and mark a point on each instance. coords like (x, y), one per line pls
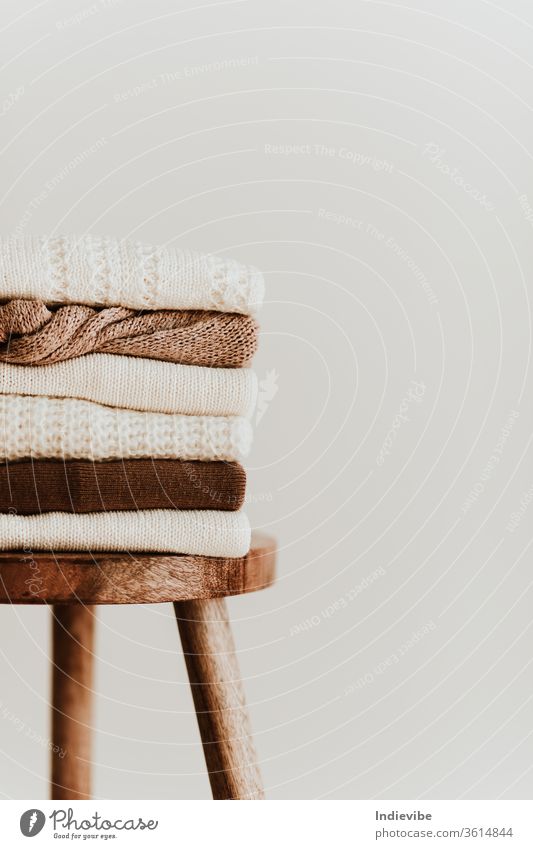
(414, 121)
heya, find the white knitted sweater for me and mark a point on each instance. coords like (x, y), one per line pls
(214, 533)
(113, 272)
(138, 384)
(69, 429)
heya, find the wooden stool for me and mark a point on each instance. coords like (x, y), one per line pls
(72, 583)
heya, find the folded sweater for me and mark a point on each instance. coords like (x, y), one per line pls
(66, 428)
(32, 334)
(81, 486)
(138, 384)
(213, 533)
(118, 272)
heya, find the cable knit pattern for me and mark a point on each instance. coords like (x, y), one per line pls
(70, 429)
(111, 272)
(80, 486)
(31, 334)
(213, 533)
(138, 384)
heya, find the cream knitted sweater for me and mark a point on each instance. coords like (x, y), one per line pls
(138, 384)
(69, 429)
(112, 272)
(213, 533)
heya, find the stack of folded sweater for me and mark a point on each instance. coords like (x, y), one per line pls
(126, 397)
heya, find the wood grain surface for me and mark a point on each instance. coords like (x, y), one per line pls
(99, 578)
(72, 679)
(219, 699)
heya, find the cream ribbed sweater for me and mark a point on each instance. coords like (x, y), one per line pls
(213, 533)
(138, 384)
(112, 272)
(80, 430)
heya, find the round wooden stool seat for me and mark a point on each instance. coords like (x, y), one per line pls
(101, 578)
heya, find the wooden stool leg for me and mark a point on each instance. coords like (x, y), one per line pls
(73, 632)
(219, 699)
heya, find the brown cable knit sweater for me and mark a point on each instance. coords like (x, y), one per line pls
(33, 334)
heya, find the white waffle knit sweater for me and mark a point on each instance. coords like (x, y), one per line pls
(112, 272)
(214, 533)
(138, 384)
(69, 429)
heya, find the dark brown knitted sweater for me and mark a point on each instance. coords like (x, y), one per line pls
(79, 486)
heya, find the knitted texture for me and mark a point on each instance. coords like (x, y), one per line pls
(31, 334)
(213, 533)
(64, 428)
(112, 272)
(81, 486)
(138, 384)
